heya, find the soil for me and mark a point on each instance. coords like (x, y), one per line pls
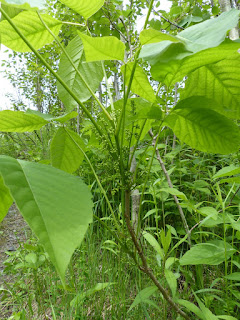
(13, 231)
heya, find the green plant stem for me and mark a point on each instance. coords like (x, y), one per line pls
(77, 71)
(98, 182)
(47, 65)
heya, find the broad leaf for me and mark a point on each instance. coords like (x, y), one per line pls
(193, 40)
(62, 119)
(211, 253)
(25, 4)
(18, 121)
(219, 81)
(174, 71)
(152, 36)
(227, 171)
(204, 129)
(5, 199)
(66, 151)
(30, 25)
(140, 83)
(91, 72)
(83, 7)
(102, 48)
(57, 206)
(142, 296)
(199, 39)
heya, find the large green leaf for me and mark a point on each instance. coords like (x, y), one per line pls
(18, 121)
(197, 37)
(174, 71)
(152, 36)
(25, 4)
(30, 25)
(66, 151)
(219, 81)
(62, 119)
(204, 129)
(191, 40)
(211, 253)
(102, 48)
(91, 72)
(140, 83)
(5, 199)
(83, 7)
(227, 171)
(57, 206)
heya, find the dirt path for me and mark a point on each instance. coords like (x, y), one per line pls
(12, 231)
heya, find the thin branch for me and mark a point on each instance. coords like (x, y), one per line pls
(171, 186)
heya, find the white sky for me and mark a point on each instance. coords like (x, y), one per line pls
(5, 85)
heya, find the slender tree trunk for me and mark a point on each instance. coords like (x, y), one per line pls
(226, 6)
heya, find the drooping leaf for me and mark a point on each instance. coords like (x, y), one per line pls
(65, 150)
(5, 199)
(204, 129)
(30, 25)
(18, 121)
(102, 48)
(211, 253)
(199, 39)
(174, 71)
(57, 206)
(140, 83)
(83, 7)
(152, 36)
(219, 81)
(62, 119)
(227, 171)
(142, 296)
(91, 72)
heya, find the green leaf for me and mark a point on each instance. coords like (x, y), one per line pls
(174, 71)
(227, 317)
(62, 119)
(91, 72)
(83, 295)
(227, 171)
(57, 206)
(5, 199)
(199, 39)
(140, 83)
(142, 296)
(154, 243)
(174, 192)
(208, 315)
(152, 36)
(209, 212)
(191, 307)
(66, 151)
(30, 25)
(231, 180)
(211, 253)
(219, 81)
(18, 121)
(235, 276)
(83, 7)
(102, 48)
(203, 129)
(25, 4)
(172, 281)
